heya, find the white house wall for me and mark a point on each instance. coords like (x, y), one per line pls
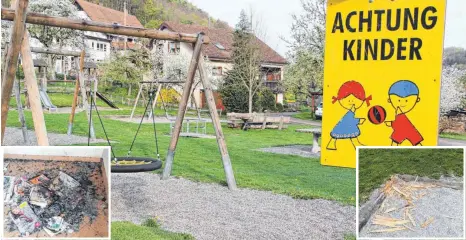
(187, 49)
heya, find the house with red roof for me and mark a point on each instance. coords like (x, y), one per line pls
(99, 45)
(218, 54)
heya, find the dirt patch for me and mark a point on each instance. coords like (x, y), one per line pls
(407, 206)
(65, 199)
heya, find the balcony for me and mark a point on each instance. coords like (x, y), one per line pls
(275, 86)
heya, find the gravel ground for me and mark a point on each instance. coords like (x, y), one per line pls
(444, 205)
(208, 211)
(14, 137)
(298, 150)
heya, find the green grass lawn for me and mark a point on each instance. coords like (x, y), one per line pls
(377, 165)
(305, 114)
(199, 159)
(131, 231)
(455, 136)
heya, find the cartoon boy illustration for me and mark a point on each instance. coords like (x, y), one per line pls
(351, 96)
(403, 95)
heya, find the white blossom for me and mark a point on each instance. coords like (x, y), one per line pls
(453, 92)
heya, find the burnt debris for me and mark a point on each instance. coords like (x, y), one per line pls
(55, 199)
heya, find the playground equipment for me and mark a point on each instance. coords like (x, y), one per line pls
(44, 97)
(19, 16)
(148, 85)
(106, 100)
(190, 127)
(129, 163)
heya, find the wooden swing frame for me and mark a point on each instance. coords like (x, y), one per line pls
(20, 43)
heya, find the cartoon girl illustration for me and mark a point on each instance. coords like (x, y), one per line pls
(351, 96)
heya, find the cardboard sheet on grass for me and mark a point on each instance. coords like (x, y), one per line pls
(55, 198)
(415, 207)
(381, 86)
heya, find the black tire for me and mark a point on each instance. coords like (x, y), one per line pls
(153, 165)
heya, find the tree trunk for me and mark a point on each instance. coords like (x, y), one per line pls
(129, 90)
(51, 67)
(250, 100)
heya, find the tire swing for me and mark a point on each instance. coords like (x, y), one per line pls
(130, 164)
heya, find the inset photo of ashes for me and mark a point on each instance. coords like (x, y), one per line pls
(411, 193)
(56, 192)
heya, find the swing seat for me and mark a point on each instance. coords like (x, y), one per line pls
(135, 164)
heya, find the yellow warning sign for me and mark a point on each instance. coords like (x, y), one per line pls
(383, 62)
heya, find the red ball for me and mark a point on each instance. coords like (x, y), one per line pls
(376, 114)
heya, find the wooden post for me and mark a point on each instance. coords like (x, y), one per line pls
(222, 146)
(136, 101)
(280, 126)
(82, 83)
(19, 105)
(264, 123)
(182, 107)
(32, 88)
(11, 63)
(75, 97)
(159, 88)
(96, 84)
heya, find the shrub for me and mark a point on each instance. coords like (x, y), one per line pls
(279, 107)
(169, 95)
(267, 99)
(61, 76)
(235, 98)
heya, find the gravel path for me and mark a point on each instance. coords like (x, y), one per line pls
(208, 211)
(298, 150)
(14, 137)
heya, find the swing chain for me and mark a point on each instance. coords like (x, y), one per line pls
(149, 103)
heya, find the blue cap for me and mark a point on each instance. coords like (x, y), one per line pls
(404, 88)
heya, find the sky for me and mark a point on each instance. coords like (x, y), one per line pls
(276, 18)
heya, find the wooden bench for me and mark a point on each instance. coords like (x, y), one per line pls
(316, 133)
(256, 121)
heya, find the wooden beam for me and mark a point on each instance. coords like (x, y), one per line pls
(82, 83)
(19, 105)
(75, 97)
(182, 107)
(222, 145)
(30, 80)
(52, 158)
(85, 25)
(136, 101)
(96, 88)
(11, 63)
(62, 52)
(159, 89)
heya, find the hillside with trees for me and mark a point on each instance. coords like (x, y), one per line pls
(151, 13)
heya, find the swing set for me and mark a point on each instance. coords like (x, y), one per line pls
(19, 43)
(129, 163)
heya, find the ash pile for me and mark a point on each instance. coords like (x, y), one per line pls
(52, 201)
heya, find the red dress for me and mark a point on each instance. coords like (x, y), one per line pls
(403, 129)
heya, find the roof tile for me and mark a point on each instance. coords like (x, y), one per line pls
(107, 15)
(225, 38)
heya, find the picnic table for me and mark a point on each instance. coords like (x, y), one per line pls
(316, 133)
(257, 120)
